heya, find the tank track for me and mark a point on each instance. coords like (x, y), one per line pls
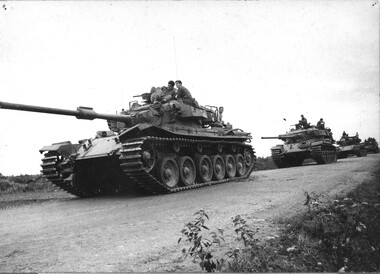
(362, 152)
(324, 154)
(51, 172)
(131, 163)
(278, 159)
(133, 167)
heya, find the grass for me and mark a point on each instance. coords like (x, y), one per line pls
(24, 183)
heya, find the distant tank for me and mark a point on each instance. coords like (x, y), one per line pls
(371, 145)
(351, 145)
(300, 144)
(150, 149)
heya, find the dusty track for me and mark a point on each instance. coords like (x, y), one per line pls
(140, 234)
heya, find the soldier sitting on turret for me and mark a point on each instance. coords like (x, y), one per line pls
(344, 135)
(170, 91)
(321, 124)
(184, 94)
(220, 115)
(163, 94)
(302, 123)
(330, 134)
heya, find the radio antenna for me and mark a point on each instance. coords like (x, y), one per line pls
(175, 58)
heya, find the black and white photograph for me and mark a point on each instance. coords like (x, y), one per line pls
(189, 136)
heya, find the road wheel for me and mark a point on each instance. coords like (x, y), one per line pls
(169, 173)
(230, 166)
(240, 165)
(219, 167)
(204, 169)
(187, 173)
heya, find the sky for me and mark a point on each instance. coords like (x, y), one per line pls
(265, 62)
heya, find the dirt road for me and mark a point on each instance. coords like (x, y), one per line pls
(139, 234)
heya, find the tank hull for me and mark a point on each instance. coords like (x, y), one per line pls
(293, 155)
(372, 147)
(166, 162)
(351, 150)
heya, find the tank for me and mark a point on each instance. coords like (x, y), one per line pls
(300, 144)
(371, 145)
(351, 145)
(150, 149)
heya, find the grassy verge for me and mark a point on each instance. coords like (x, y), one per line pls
(333, 234)
(24, 183)
(27, 189)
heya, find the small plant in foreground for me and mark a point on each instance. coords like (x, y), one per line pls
(199, 245)
(254, 256)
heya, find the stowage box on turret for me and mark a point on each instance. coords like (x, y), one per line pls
(304, 143)
(150, 148)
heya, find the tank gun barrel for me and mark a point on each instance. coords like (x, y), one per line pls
(80, 113)
(277, 137)
(144, 96)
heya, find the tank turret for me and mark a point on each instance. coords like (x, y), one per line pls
(300, 144)
(151, 148)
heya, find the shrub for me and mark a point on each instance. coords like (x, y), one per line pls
(254, 256)
(265, 163)
(344, 231)
(200, 245)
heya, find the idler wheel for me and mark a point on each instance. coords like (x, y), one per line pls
(248, 159)
(148, 157)
(230, 166)
(219, 167)
(240, 165)
(169, 173)
(187, 173)
(204, 169)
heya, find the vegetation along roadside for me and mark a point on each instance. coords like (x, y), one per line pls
(332, 234)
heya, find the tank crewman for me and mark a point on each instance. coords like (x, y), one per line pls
(169, 92)
(344, 135)
(156, 94)
(163, 94)
(220, 115)
(184, 94)
(321, 124)
(330, 134)
(302, 123)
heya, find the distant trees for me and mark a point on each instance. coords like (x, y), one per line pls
(263, 163)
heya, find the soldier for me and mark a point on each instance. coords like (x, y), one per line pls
(321, 124)
(156, 94)
(302, 123)
(183, 93)
(330, 134)
(344, 135)
(163, 94)
(220, 116)
(168, 92)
